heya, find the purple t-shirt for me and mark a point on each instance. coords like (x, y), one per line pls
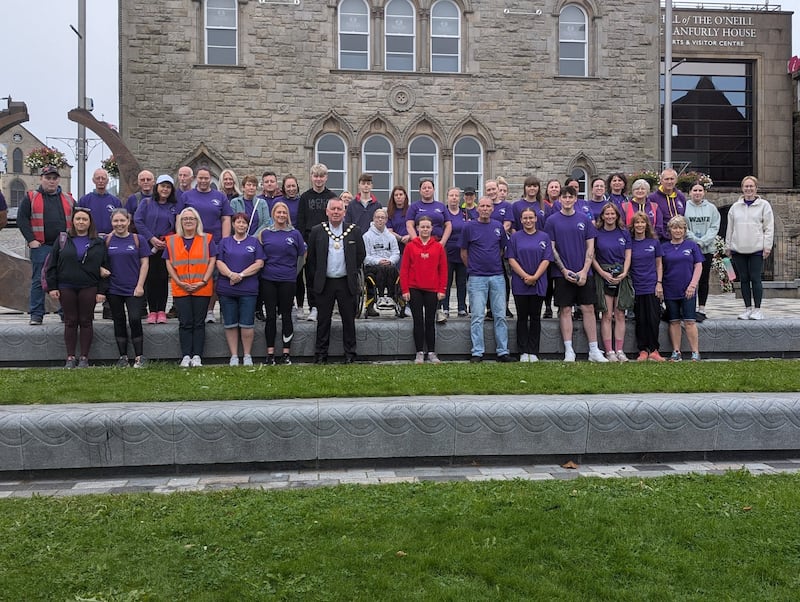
(529, 250)
(238, 256)
(485, 243)
(81, 244)
(643, 265)
(101, 206)
(453, 246)
(570, 233)
(610, 245)
(397, 223)
(502, 212)
(212, 207)
(679, 263)
(595, 207)
(125, 260)
(282, 249)
(541, 214)
(435, 210)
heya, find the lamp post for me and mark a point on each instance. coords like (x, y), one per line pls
(80, 150)
(668, 84)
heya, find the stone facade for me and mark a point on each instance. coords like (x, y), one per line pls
(287, 90)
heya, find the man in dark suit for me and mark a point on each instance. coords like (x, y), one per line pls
(335, 256)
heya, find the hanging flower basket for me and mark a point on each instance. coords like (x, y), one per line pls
(39, 157)
(111, 166)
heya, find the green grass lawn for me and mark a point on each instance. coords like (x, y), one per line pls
(167, 382)
(692, 537)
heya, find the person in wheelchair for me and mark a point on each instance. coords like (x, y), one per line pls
(380, 265)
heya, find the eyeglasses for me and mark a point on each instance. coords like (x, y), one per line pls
(188, 219)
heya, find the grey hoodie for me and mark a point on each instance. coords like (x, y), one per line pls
(704, 223)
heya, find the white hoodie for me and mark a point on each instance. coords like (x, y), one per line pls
(751, 228)
(380, 245)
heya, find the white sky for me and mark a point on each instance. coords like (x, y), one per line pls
(39, 65)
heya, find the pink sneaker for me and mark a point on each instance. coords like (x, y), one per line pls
(161, 317)
(151, 317)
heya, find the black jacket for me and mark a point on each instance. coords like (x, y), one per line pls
(65, 266)
(317, 259)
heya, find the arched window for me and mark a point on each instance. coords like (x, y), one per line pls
(423, 162)
(468, 163)
(400, 36)
(17, 191)
(16, 160)
(573, 42)
(332, 151)
(221, 32)
(580, 174)
(353, 34)
(445, 37)
(376, 159)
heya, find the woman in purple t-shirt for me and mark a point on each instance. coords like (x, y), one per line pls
(611, 263)
(129, 258)
(529, 253)
(239, 260)
(397, 209)
(284, 249)
(683, 264)
(646, 275)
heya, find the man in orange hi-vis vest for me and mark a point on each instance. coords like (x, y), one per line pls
(43, 214)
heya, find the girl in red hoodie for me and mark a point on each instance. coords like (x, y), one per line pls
(423, 281)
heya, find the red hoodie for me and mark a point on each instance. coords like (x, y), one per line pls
(424, 266)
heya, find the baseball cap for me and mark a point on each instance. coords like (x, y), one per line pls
(469, 190)
(49, 169)
(165, 178)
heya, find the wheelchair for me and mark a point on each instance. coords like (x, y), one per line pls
(389, 298)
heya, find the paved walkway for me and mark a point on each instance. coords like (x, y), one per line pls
(298, 479)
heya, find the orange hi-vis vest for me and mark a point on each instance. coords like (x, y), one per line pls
(190, 265)
(37, 213)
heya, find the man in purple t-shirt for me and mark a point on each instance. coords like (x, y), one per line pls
(100, 202)
(483, 242)
(572, 234)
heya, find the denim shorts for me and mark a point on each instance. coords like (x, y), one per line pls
(681, 309)
(238, 312)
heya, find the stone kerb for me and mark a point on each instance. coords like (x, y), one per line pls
(173, 434)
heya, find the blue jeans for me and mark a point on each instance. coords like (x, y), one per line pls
(479, 288)
(38, 255)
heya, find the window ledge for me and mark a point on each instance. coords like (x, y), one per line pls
(234, 67)
(579, 78)
(404, 74)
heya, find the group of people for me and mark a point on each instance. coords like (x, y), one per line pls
(260, 255)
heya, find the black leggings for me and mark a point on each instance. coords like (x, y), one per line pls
(156, 286)
(78, 305)
(423, 310)
(702, 289)
(278, 298)
(118, 305)
(529, 325)
(748, 268)
(648, 320)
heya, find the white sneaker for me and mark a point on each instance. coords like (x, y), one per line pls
(757, 314)
(610, 356)
(532, 358)
(210, 319)
(621, 357)
(247, 360)
(433, 358)
(746, 314)
(186, 361)
(234, 360)
(196, 361)
(524, 358)
(441, 318)
(595, 355)
(569, 356)
(312, 315)
(419, 358)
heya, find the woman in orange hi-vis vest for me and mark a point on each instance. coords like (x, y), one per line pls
(191, 256)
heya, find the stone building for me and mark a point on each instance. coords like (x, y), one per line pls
(15, 144)
(459, 90)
